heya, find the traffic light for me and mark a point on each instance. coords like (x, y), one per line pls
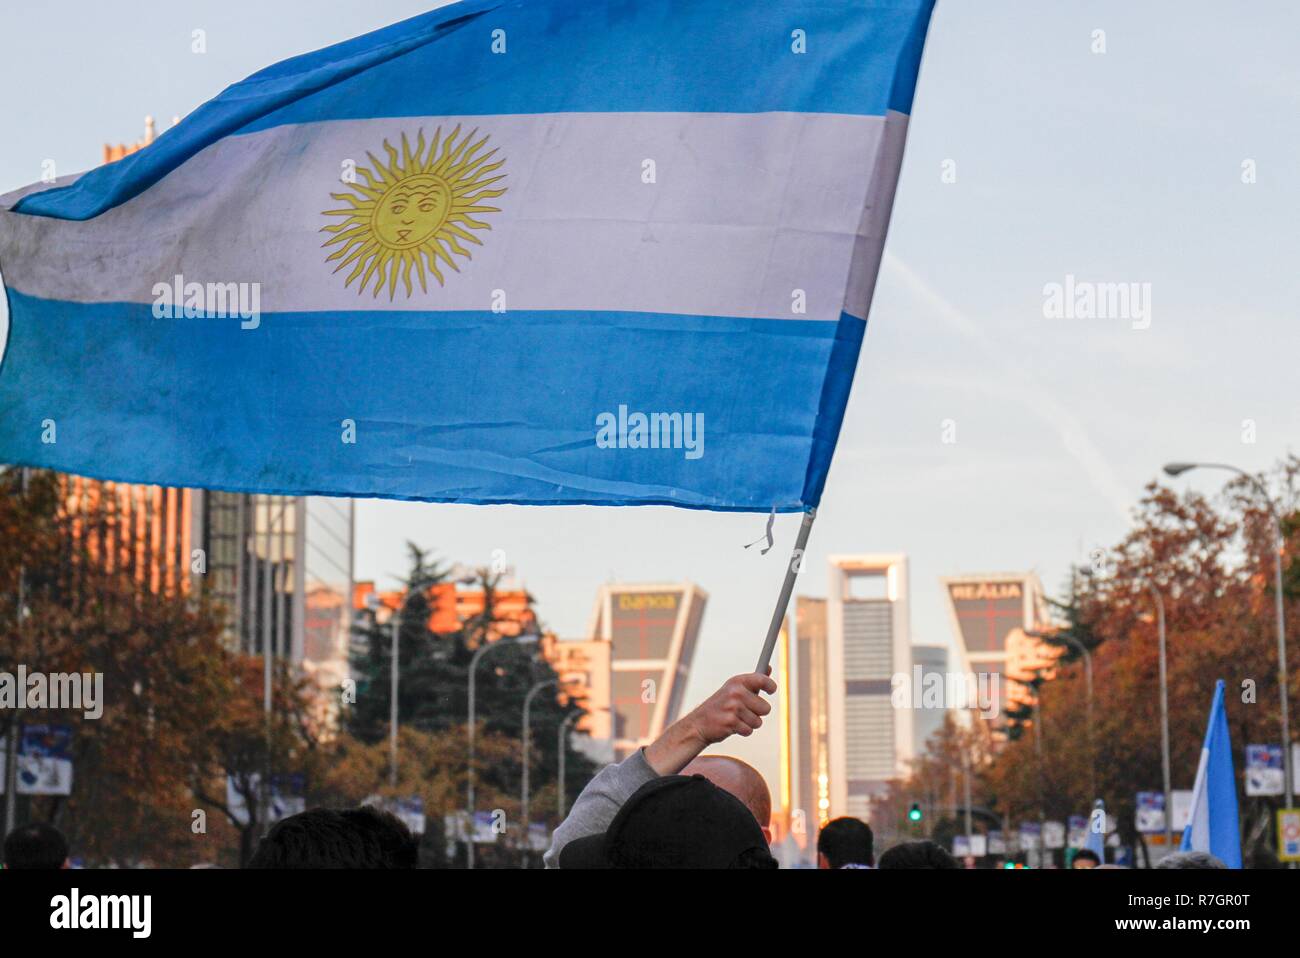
(914, 813)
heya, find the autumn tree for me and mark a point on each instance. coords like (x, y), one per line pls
(160, 659)
(1210, 561)
(433, 700)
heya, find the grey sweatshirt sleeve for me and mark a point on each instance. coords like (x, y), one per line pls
(599, 802)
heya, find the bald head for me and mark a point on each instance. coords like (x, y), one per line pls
(740, 779)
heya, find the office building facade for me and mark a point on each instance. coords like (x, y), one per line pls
(868, 642)
(992, 615)
(652, 631)
(585, 676)
(927, 719)
(282, 567)
(811, 752)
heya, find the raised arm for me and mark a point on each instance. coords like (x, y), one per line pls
(734, 709)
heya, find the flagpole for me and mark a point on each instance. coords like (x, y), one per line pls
(787, 588)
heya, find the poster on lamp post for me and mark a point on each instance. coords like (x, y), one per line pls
(44, 765)
(1264, 772)
(1150, 814)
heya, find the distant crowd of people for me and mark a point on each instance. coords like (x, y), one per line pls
(665, 806)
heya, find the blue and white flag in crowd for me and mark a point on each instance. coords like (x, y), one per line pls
(1097, 825)
(1214, 826)
(556, 251)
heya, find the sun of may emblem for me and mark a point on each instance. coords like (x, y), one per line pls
(415, 211)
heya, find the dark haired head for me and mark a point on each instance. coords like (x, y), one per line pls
(759, 858)
(923, 854)
(324, 838)
(846, 841)
(37, 845)
(1085, 855)
(1190, 860)
(676, 821)
(395, 839)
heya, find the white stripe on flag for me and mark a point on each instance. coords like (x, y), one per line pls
(1200, 812)
(699, 214)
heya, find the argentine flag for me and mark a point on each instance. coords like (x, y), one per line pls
(1214, 826)
(555, 251)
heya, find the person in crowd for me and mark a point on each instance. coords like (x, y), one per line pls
(1190, 860)
(675, 821)
(920, 854)
(845, 843)
(1264, 858)
(1085, 858)
(395, 840)
(36, 846)
(740, 779)
(734, 709)
(324, 838)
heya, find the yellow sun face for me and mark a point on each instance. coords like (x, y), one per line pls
(411, 215)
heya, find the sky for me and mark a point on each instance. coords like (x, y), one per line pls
(983, 433)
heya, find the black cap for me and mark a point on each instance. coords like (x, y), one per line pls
(677, 821)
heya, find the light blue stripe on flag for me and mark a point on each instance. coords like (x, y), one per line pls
(440, 412)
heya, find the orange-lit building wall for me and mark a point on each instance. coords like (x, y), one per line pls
(583, 667)
(451, 607)
(144, 530)
(787, 820)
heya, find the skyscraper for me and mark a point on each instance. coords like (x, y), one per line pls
(811, 752)
(788, 820)
(932, 661)
(282, 567)
(653, 630)
(990, 616)
(868, 643)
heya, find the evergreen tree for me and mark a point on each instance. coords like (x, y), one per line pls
(433, 686)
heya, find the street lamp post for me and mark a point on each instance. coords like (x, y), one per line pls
(1038, 755)
(395, 630)
(527, 744)
(392, 692)
(11, 737)
(965, 771)
(1177, 469)
(966, 788)
(266, 583)
(1164, 714)
(481, 651)
(564, 744)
